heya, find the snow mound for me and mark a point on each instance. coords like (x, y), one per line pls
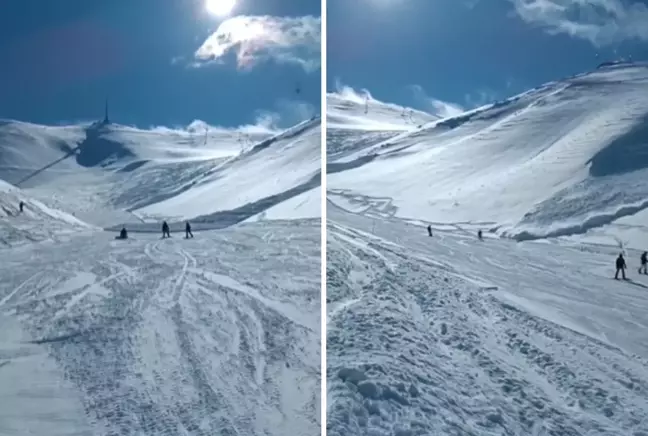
(560, 159)
(36, 222)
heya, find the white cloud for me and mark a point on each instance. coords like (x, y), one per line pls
(255, 39)
(435, 106)
(602, 22)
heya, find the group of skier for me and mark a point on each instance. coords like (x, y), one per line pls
(166, 232)
(621, 265)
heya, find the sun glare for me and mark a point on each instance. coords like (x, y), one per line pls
(220, 8)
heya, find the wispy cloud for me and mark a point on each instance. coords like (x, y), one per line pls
(435, 106)
(481, 98)
(256, 39)
(348, 93)
(602, 22)
(286, 113)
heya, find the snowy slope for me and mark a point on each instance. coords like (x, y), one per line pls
(558, 160)
(452, 336)
(218, 334)
(273, 171)
(215, 335)
(37, 222)
(347, 110)
(108, 174)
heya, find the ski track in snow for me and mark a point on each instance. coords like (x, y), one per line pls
(452, 336)
(213, 335)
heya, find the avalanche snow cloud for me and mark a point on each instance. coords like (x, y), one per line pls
(219, 334)
(450, 335)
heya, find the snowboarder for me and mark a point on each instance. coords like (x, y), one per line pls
(429, 227)
(620, 266)
(165, 230)
(188, 233)
(123, 234)
(21, 205)
(480, 235)
(644, 263)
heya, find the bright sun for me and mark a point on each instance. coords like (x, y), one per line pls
(220, 8)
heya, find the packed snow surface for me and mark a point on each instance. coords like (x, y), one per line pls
(454, 336)
(525, 332)
(213, 335)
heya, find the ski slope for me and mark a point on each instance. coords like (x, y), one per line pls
(213, 335)
(525, 332)
(218, 334)
(559, 160)
(452, 336)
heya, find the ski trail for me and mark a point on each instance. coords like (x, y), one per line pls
(425, 349)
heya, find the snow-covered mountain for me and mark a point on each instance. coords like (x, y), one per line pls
(217, 334)
(561, 159)
(519, 333)
(108, 174)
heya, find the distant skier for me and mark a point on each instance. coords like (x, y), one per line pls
(644, 263)
(620, 266)
(188, 233)
(123, 234)
(22, 206)
(429, 228)
(480, 235)
(165, 230)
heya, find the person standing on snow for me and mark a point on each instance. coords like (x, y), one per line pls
(429, 227)
(21, 205)
(644, 263)
(620, 266)
(479, 235)
(188, 233)
(165, 230)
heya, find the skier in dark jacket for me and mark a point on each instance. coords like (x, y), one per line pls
(21, 205)
(123, 234)
(479, 235)
(644, 263)
(165, 230)
(429, 227)
(620, 266)
(188, 233)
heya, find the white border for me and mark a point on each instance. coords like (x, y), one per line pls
(323, 221)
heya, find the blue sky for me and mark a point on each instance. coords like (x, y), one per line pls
(161, 62)
(447, 55)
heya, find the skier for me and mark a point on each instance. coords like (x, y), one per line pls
(188, 233)
(21, 205)
(165, 230)
(479, 235)
(644, 262)
(429, 227)
(620, 266)
(123, 234)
